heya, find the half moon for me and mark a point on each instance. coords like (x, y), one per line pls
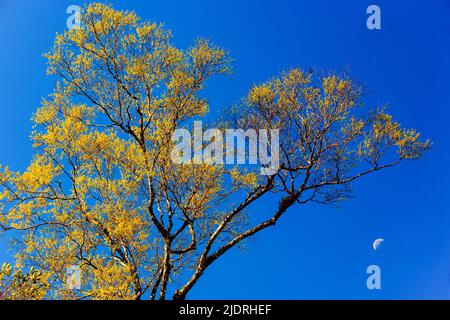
(377, 243)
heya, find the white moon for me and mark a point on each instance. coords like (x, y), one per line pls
(377, 243)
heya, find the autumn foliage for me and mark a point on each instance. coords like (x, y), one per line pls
(102, 191)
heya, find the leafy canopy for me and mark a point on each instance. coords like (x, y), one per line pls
(102, 192)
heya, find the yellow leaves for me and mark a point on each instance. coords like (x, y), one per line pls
(26, 208)
(19, 285)
(5, 270)
(103, 141)
(38, 174)
(293, 82)
(248, 180)
(123, 222)
(129, 40)
(201, 184)
(261, 94)
(105, 166)
(6, 177)
(342, 85)
(90, 181)
(136, 67)
(61, 130)
(77, 36)
(99, 28)
(335, 86)
(83, 61)
(180, 81)
(109, 17)
(410, 146)
(172, 56)
(384, 133)
(330, 84)
(98, 144)
(59, 40)
(140, 70)
(146, 29)
(309, 107)
(383, 125)
(96, 8)
(44, 115)
(353, 128)
(112, 281)
(295, 95)
(204, 54)
(78, 112)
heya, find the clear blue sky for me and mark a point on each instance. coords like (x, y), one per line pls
(314, 251)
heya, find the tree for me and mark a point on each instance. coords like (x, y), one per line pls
(103, 193)
(16, 285)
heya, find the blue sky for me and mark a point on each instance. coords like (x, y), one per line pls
(314, 252)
